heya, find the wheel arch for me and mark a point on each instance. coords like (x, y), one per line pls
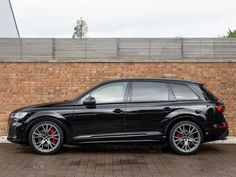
(185, 117)
(61, 124)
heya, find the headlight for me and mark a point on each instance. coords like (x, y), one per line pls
(19, 115)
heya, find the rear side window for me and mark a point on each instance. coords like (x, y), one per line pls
(182, 92)
(149, 91)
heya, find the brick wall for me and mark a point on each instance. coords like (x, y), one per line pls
(23, 84)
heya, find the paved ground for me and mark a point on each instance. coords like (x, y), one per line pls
(213, 160)
(230, 140)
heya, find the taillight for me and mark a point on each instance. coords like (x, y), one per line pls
(220, 108)
(224, 125)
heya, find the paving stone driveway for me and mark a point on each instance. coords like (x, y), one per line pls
(112, 160)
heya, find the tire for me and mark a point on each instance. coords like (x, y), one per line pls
(185, 142)
(46, 138)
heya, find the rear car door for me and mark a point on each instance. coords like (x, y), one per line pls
(148, 105)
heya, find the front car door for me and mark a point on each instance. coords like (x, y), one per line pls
(104, 121)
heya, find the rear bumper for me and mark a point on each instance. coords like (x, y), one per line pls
(217, 134)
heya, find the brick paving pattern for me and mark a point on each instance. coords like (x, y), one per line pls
(117, 161)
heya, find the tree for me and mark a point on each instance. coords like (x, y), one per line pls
(231, 34)
(81, 29)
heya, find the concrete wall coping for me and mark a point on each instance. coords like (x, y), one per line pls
(126, 60)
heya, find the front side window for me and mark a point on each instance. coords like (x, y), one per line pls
(149, 91)
(182, 92)
(110, 93)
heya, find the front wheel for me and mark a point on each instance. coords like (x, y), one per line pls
(185, 138)
(46, 137)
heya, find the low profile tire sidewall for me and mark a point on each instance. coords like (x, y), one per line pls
(171, 143)
(53, 151)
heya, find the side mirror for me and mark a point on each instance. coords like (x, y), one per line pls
(89, 101)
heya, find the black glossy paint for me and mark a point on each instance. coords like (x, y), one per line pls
(99, 120)
(124, 121)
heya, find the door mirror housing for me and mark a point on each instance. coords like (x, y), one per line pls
(89, 101)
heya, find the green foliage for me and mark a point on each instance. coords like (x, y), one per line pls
(231, 34)
(81, 29)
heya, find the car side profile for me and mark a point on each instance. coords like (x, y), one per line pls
(183, 114)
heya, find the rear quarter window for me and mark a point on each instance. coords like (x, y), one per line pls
(183, 92)
(208, 95)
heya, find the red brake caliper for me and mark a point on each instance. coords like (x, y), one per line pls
(53, 140)
(178, 135)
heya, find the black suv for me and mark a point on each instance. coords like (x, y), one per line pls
(182, 113)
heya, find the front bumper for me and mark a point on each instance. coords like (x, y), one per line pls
(15, 132)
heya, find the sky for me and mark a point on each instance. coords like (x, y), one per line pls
(126, 18)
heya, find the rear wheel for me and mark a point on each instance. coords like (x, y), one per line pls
(46, 137)
(185, 138)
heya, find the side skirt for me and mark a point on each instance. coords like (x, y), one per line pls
(120, 137)
(117, 141)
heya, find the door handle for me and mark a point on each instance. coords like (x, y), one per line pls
(167, 109)
(118, 111)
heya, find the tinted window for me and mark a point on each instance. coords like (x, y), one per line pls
(110, 93)
(183, 92)
(149, 91)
